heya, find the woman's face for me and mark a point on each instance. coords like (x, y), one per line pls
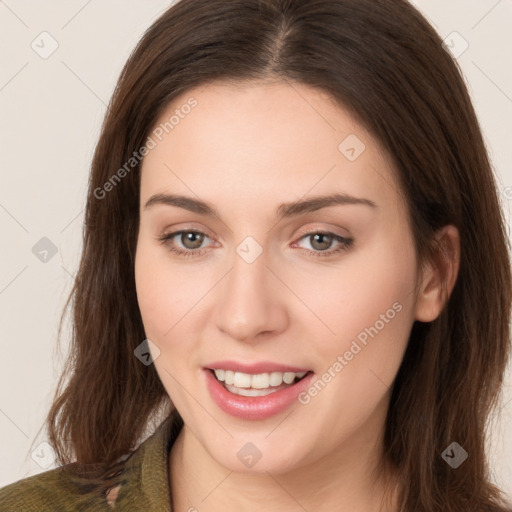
(255, 171)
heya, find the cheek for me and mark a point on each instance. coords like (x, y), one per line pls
(157, 295)
(150, 292)
(156, 291)
(375, 313)
(163, 312)
(368, 306)
(372, 323)
(170, 301)
(348, 299)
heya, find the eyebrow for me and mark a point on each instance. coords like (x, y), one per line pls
(284, 210)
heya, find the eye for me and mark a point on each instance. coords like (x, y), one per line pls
(190, 240)
(322, 241)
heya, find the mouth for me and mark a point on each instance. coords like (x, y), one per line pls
(255, 394)
(260, 384)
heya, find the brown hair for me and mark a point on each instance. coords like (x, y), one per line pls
(384, 62)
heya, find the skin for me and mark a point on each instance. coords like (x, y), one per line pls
(246, 149)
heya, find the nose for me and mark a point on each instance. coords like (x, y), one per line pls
(251, 301)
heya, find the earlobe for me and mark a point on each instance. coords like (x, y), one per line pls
(439, 276)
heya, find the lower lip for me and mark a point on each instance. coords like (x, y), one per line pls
(254, 407)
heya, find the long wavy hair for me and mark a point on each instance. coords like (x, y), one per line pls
(387, 65)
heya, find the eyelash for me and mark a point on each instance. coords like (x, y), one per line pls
(345, 243)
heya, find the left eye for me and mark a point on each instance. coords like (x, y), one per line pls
(322, 241)
(191, 242)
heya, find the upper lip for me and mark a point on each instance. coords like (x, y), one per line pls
(255, 368)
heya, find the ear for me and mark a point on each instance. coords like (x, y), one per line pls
(438, 276)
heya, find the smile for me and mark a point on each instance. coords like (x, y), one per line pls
(260, 384)
(257, 396)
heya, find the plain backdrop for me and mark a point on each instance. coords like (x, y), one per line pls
(59, 64)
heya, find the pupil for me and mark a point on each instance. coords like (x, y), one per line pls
(321, 236)
(192, 240)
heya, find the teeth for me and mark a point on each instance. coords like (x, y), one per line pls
(250, 391)
(258, 381)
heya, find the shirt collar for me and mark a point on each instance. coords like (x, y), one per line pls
(146, 482)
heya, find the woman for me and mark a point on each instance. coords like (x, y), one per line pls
(295, 262)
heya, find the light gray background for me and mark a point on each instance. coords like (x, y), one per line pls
(50, 115)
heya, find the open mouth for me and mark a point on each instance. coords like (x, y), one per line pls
(260, 384)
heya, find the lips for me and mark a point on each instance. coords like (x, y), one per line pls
(255, 407)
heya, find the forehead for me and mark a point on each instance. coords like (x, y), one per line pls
(266, 141)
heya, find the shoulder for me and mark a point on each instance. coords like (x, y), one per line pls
(141, 484)
(48, 491)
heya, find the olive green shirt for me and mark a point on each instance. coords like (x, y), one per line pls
(145, 483)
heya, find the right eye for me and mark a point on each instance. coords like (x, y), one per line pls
(190, 240)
